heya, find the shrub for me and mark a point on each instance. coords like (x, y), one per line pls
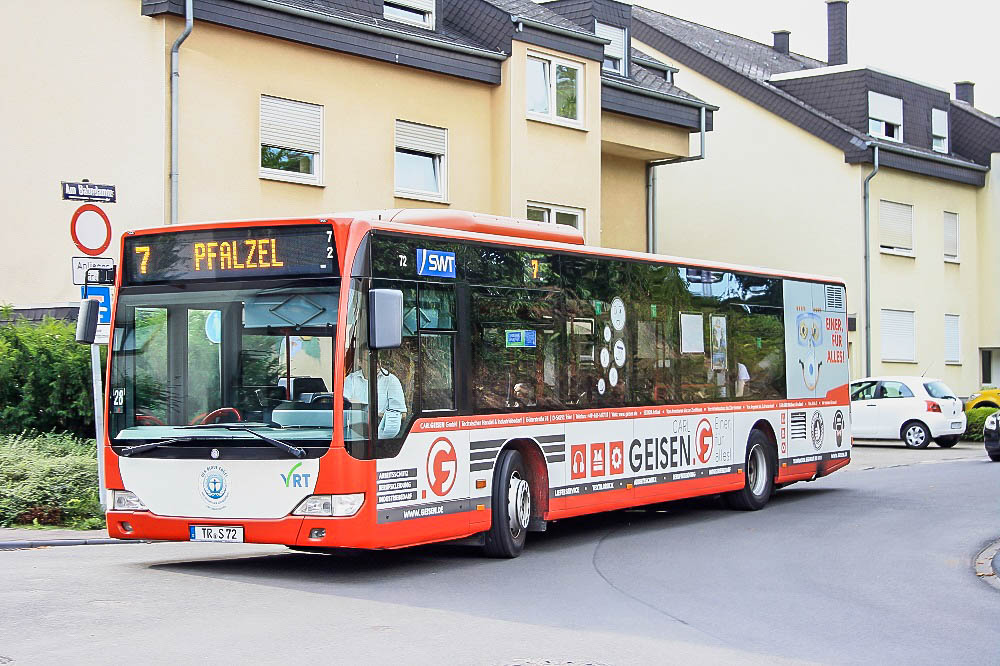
(49, 479)
(976, 421)
(45, 382)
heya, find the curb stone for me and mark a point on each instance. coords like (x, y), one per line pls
(21, 545)
(988, 566)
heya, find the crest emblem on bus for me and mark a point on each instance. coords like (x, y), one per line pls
(442, 466)
(215, 486)
(704, 440)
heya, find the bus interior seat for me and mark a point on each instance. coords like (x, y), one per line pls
(302, 385)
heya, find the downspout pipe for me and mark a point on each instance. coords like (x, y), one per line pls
(651, 183)
(175, 84)
(868, 265)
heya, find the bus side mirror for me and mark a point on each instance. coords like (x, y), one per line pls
(86, 323)
(385, 318)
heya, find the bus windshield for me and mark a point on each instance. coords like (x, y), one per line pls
(261, 358)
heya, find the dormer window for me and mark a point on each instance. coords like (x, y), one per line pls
(885, 116)
(413, 12)
(614, 53)
(939, 130)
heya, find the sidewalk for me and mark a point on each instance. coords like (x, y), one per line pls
(12, 538)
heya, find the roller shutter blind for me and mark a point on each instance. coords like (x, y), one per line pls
(952, 339)
(421, 138)
(616, 49)
(884, 107)
(950, 235)
(898, 338)
(285, 123)
(895, 221)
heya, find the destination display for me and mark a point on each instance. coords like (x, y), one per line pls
(225, 254)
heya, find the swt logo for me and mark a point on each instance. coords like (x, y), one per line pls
(435, 263)
(293, 480)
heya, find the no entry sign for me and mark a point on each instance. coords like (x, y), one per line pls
(90, 229)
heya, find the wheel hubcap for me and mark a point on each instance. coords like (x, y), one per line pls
(757, 471)
(518, 504)
(915, 435)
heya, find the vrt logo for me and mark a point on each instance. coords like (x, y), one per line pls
(293, 480)
(705, 440)
(442, 466)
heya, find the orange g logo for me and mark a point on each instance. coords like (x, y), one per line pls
(704, 441)
(442, 466)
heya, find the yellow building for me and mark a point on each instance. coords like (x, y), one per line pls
(300, 107)
(785, 186)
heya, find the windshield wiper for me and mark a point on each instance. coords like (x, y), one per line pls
(296, 451)
(149, 446)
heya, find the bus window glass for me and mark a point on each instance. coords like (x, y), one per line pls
(437, 386)
(437, 307)
(204, 357)
(757, 352)
(147, 354)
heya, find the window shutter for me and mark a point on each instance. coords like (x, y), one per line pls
(951, 235)
(898, 340)
(421, 138)
(616, 49)
(952, 339)
(288, 124)
(895, 225)
(421, 5)
(885, 108)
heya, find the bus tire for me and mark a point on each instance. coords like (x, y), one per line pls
(511, 507)
(758, 472)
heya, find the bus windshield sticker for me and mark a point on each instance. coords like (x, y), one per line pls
(435, 263)
(521, 338)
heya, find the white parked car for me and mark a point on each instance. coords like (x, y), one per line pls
(914, 409)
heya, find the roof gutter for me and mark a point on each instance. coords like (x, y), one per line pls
(175, 85)
(375, 29)
(943, 159)
(521, 21)
(651, 185)
(684, 101)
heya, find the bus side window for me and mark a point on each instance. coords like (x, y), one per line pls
(437, 380)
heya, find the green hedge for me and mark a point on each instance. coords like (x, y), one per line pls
(45, 381)
(976, 420)
(49, 479)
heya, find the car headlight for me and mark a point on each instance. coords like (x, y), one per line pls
(124, 500)
(330, 505)
(974, 396)
(991, 422)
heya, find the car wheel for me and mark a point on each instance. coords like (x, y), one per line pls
(758, 473)
(947, 442)
(995, 457)
(916, 435)
(511, 507)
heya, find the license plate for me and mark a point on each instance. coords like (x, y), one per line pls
(216, 533)
(955, 425)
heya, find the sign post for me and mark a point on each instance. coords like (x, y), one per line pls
(102, 293)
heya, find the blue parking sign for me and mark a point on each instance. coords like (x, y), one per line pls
(104, 294)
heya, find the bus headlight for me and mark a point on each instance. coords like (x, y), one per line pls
(330, 505)
(991, 422)
(124, 500)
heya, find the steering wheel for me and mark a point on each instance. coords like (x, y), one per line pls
(147, 420)
(215, 415)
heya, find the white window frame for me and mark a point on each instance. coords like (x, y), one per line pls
(882, 333)
(956, 258)
(551, 116)
(617, 49)
(426, 7)
(939, 130)
(552, 209)
(889, 249)
(438, 152)
(314, 148)
(957, 319)
(882, 111)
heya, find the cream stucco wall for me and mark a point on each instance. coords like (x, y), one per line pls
(623, 199)
(988, 254)
(82, 98)
(925, 283)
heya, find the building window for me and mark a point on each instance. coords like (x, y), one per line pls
(987, 366)
(885, 116)
(950, 236)
(615, 59)
(291, 140)
(895, 224)
(421, 161)
(939, 130)
(554, 90)
(571, 217)
(898, 336)
(952, 339)
(412, 12)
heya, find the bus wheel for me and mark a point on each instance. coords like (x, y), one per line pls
(758, 473)
(511, 507)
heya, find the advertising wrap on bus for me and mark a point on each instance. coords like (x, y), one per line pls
(534, 380)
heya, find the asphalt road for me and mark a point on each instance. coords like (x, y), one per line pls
(871, 564)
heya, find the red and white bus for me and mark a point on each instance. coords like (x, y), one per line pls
(520, 376)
